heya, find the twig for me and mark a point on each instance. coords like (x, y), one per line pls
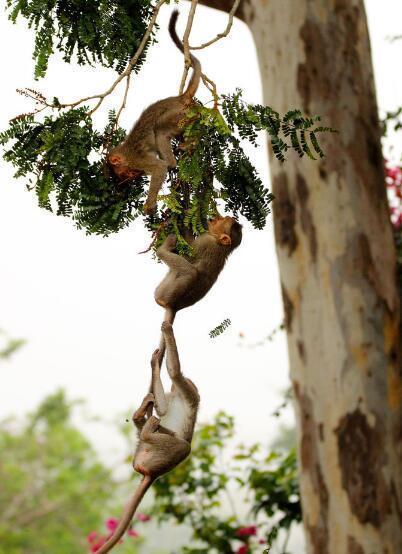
(187, 59)
(225, 32)
(125, 73)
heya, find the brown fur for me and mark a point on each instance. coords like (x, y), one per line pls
(160, 449)
(147, 148)
(189, 280)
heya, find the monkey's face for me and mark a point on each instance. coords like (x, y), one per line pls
(226, 230)
(121, 168)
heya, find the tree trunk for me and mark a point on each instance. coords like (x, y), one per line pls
(338, 273)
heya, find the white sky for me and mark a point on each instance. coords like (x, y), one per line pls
(85, 304)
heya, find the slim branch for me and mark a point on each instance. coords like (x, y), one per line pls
(125, 73)
(225, 32)
(187, 59)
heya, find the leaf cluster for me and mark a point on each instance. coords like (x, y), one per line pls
(61, 157)
(219, 329)
(107, 32)
(293, 131)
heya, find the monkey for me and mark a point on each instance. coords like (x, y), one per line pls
(165, 442)
(189, 280)
(147, 149)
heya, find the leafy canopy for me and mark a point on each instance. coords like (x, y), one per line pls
(107, 32)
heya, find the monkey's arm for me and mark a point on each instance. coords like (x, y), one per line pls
(174, 261)
(157, 386)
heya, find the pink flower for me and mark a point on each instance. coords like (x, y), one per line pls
(93, 535)
(246, 531)
(132, 533)
(143, 517)
(112, 523)
(262, 541)
(100, 543)
(242, 550)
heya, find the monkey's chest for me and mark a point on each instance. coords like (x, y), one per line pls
(177, 416)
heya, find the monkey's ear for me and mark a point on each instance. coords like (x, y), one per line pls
(115, 159)
(225, 239)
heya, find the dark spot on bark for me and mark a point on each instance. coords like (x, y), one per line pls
(302, 351)
(288, 308)
(354, 547)
(361, 459)
(313, 76)
(323, 173)
(305, 215)
(321, 432)
(284, 214)
(311, 465)
(338, 43)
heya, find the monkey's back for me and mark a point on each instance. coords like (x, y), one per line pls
(163, 114)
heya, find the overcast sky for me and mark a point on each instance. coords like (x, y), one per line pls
(85, 304)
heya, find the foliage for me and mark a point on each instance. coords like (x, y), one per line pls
(393, 179)
(10, 346)
(197, 492)
(54, 490)
(56, 157)
(52, 483)
(94, 31)
(62, 158)
(219, 329)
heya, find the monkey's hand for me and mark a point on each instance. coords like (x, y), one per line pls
(167, 327)
(170, 242)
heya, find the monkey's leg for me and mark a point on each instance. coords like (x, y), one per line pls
(149, 429)
(139, 419)
(157, 386)
(177, 447)
(172, 356)
(164, 146)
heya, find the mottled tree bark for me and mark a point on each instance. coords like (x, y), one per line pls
(337, 266)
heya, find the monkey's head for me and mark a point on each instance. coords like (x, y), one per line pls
(120, 165)
(226, 230)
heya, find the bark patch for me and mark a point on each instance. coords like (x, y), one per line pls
(310, 462)
(284, 214)
(313, 76)
(289, 309)
(361, 458)
(305, 215)
(354, 547)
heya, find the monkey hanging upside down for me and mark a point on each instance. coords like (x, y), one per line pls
(165, 442)
(147, 148)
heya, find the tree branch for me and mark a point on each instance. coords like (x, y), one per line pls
(187, 59)
(126, 72)
(224, 6)
(225, 32)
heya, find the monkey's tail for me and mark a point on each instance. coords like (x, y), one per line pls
(196, 76)
(128, 515)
